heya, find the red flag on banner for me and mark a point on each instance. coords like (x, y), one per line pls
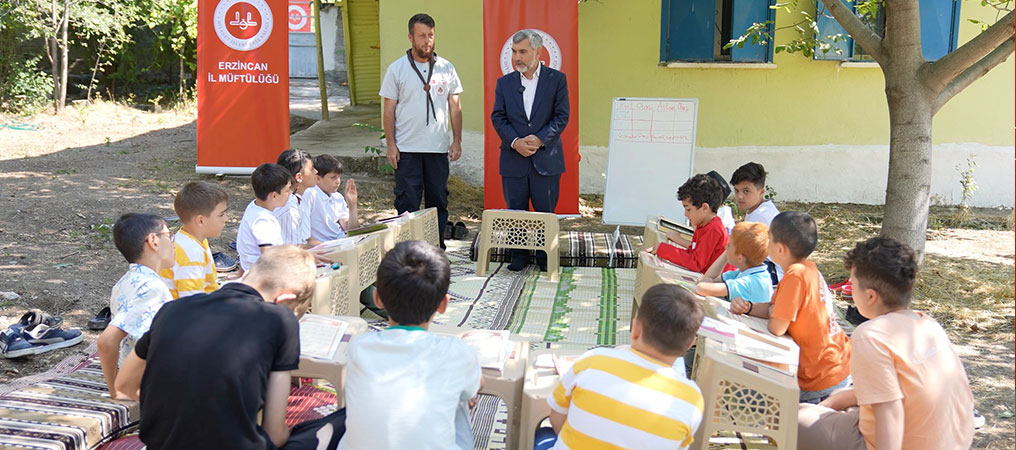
(558, 23)
(243, 84)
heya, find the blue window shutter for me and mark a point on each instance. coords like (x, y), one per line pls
(746, 13)
(687, 30)
(828, 26)
(939, 20)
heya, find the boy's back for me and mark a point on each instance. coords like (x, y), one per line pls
(621, 397)
(208, 360)
(407, 388)
(906, 354)
(825, 349)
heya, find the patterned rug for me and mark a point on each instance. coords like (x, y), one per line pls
(581, 249)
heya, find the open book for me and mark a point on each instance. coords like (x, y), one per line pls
(369, 228)
(334, 245)
(672, 225)
(493, 348)
(320, 336)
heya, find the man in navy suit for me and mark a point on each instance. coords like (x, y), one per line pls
(530, 112)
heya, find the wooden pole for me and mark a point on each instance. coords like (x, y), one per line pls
(322, 86)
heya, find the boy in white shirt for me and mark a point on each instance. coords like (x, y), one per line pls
(259, 228)
(295, 216)
(749, 183)
(405, 386)
(332, 214)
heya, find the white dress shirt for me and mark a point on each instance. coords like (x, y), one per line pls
(529, 90)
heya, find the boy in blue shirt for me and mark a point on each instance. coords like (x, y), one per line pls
(751, 282)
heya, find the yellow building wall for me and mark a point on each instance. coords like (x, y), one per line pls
(800, 102)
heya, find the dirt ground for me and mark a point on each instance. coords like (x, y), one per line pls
(65, 179)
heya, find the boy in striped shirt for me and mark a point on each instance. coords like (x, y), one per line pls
(202, 209)
(633, 397)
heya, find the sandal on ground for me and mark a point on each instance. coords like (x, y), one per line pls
(34, 317)
(101, 320)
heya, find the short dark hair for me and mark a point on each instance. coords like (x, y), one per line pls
(753, 172)
(412, 280)
(797, 230)
(670, 318)
(294, 160)
(423, 18)
(886, 265)
(198, 198)
(325, 164)
(268, 178)
(131, 231)
(701, 189)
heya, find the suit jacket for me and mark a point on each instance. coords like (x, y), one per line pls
(549, 117)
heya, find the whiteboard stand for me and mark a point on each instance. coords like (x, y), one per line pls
(651, 153)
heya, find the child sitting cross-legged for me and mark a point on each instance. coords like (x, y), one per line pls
(908, 380)
(147, 244)
(201, 207)
(701, 195)
(798, 309)
(405, 386)
(632, 397)
(751, 281)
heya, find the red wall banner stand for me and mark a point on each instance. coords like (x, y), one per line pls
(558, 23)
(243, 84)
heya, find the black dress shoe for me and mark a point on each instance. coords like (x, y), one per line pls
(517, 264)
(854, 316)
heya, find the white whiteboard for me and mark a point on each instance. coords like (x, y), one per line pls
(650, 155)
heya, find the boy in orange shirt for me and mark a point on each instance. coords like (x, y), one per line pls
(797, 309)
(701, 196)
(908, 381)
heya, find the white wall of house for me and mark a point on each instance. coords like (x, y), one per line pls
(817, 173)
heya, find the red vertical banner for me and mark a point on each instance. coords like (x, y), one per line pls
(243, 84)
(558, 23)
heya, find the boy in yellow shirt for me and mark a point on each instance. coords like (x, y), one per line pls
(201, 207)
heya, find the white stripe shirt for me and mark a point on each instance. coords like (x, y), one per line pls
(295, 217)
(622, 398)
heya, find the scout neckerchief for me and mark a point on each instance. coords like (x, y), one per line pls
(426, 83)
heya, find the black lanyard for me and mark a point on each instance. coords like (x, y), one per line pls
(426, 83)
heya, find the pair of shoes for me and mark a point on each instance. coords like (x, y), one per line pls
(449, 230)
(457, 230)
(224, 262)
(101, 320)
(35, 333)
(460, 231)
(854, 316)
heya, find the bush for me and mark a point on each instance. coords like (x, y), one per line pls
(24, 89)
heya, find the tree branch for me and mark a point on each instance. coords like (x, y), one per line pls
(857, 29)
(975, 72)
(938, 74)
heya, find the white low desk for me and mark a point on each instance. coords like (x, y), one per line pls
(333, 370)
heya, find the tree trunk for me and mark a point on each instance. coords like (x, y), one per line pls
(64, 54)
(911, 107)
(53, 52)
(909, 186)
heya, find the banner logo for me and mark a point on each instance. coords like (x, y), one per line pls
(243, 25)
(299, 18)
(552, 58)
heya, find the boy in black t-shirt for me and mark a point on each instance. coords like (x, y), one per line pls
(210, 362)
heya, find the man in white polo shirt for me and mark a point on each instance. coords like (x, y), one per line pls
(421, 97)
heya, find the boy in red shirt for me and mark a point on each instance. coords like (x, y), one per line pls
(701, 196)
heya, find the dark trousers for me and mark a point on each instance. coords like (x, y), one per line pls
(423, 175)
(304, 435)
(540, 190)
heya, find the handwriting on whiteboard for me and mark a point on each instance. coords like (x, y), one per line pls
(653, 122)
